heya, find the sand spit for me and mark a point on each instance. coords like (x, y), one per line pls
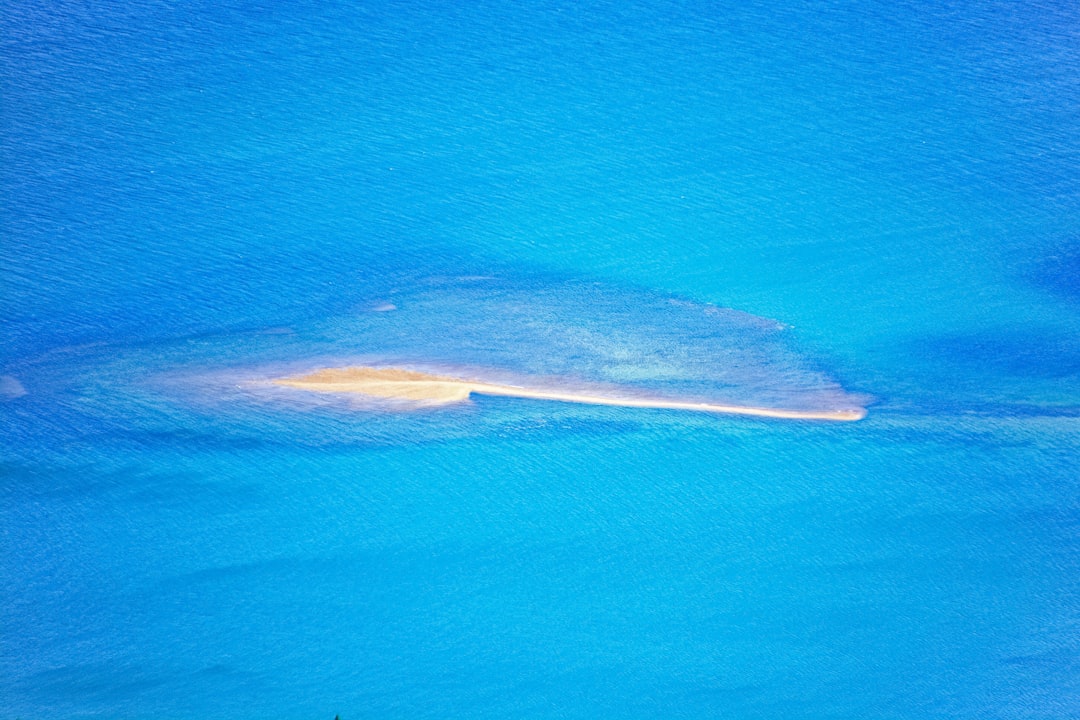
(394, 383)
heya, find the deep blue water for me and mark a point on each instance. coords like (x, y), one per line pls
(778, 203)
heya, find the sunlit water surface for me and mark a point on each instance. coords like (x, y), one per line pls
(778, 204)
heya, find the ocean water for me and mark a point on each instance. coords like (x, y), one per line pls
(777, 203)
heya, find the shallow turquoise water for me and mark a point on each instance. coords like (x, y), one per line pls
(883, 195)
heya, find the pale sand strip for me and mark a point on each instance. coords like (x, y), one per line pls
(437, 389)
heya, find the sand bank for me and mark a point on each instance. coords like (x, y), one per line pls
(393, 383)
(10, 387)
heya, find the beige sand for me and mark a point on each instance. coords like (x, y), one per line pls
(437, 389)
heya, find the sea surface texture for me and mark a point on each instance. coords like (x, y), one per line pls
(874, 204)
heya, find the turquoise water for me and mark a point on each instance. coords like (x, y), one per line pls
(784, 203)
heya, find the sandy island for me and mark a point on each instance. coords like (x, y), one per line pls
(393, 383)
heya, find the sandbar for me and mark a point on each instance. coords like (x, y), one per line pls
(426, 388)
